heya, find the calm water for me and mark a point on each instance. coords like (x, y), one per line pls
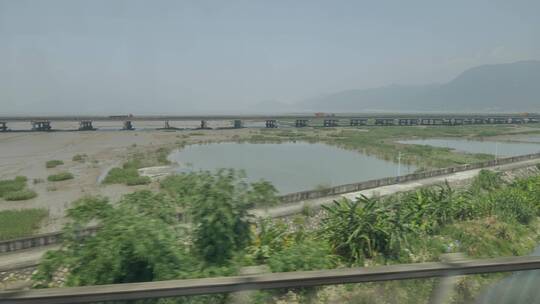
(474, 146)
(291, 167)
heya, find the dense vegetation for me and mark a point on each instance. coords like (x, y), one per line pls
(219, 231)
(53, 163)
(15, 189)
(215, 237)
(62, 176)
(19, 223)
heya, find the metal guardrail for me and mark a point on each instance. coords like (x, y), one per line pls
(174, 288)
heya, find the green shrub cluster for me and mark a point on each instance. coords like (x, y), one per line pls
(15, 189)
(128, 175)
(12, 185)
(80, 158)
(60, 177)
(20, 195)
(53, 163)
(19, 223)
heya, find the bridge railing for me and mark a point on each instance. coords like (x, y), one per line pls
(191, 287)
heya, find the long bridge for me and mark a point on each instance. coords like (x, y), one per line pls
(44, 123)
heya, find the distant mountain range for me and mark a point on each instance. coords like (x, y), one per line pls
(511, 87)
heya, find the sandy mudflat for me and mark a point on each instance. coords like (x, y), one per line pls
(25, 154)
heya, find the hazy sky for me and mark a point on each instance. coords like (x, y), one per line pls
(107, 56)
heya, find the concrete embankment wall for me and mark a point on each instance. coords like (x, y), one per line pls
(56, 237)
(38, 240)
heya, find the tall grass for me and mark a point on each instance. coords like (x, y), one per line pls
(19, 223)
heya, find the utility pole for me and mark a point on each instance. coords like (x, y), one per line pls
(399, 165)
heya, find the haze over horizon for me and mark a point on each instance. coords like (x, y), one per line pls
(158, 57)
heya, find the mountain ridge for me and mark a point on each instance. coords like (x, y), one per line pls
(491, 87)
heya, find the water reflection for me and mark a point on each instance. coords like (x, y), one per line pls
(291, 167)
(477, 146)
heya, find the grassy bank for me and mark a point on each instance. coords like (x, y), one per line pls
(19, 223)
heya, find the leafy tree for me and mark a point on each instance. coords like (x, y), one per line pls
(135, 243)
(220, 214)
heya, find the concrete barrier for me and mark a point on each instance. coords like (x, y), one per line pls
(39, 240)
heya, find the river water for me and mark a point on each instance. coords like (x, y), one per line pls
(290, 167)
(477, 146)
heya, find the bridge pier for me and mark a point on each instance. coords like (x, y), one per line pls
(479, 121)
(458, 121)
(41, 125)
(330, 123)
(128, 125)
(426, 121)
(408, 121)
(355, 122)
(301, 123)
(517, 120)
(204, 125)
(86, 125)
(500, 120)
(3, 126)
(384, 121)
(237, 124)
(271, 123)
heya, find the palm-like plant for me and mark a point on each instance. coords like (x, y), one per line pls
(361, 228)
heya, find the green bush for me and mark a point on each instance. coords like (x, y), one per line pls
(20, 195)
(306, 255)
(514, 204)
(19, 223)
(12, 185)
(121, 175)
(486, 180)
(139, 180)
(79, 158)
(53, 163)
(60, 177)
